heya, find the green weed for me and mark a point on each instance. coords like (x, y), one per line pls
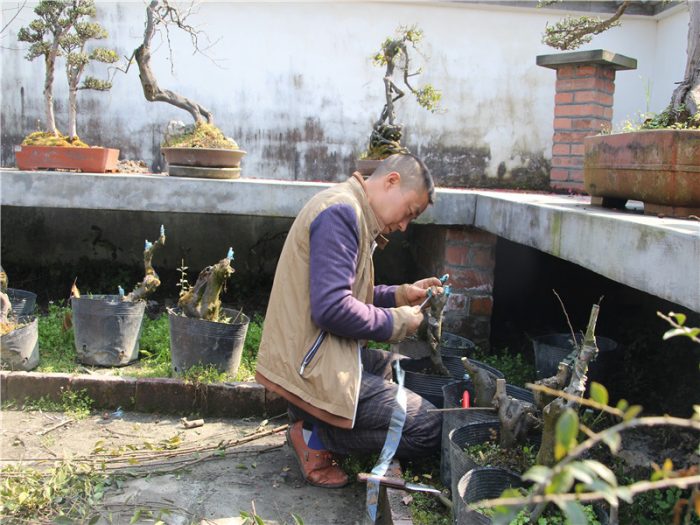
(514, 367)
(56, 346)
(75, 403)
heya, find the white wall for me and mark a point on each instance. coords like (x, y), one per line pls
(293, 83)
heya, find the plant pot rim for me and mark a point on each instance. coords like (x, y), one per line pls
(669, 131)
(176, 311)
(190, 148)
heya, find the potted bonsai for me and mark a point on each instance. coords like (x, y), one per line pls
(201, 330)
(107, 327)
(395, 56)
(656, 163)
(198, 150)
(19, 333)
(62, 29)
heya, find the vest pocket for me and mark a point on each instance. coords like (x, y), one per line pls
(308, 357)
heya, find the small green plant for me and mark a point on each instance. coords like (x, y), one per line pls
(490, 454)
(56, 340)
(205, 374)
(516, 370)
(553, 517)
(75, 403)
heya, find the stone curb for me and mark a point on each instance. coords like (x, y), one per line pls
(162, 395)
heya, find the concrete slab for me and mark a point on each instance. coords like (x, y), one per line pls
(655, 255)
(262, 473)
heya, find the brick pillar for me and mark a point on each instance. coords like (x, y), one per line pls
(583, 106)
(468, 255)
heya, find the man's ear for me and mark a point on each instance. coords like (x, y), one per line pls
(392, 178)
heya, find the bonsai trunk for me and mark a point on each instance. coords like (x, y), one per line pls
(688, 91)
(517, 417)
(202, 300)
(576, 387)
(151, 90)
(151, 281)
(72, 109)
(50, 63)
(484, 383)
(434, 336)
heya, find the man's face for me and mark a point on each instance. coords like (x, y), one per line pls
(399, 205)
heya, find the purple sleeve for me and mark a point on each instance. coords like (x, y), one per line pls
(385, 296)
(333, 241)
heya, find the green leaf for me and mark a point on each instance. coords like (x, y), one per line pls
(622, 405)
(632, 412)
(624, 493)
(674, 332)
(537, 474)
(566, 433)
(680, 318)
(601, 470)
(581, 473)
(63, 520)
(612, 441)
(136, 517)
(573, 512)
(599, 393)
(561, 483)
(297, 519)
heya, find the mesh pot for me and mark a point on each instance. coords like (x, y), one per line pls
(198, 341)
(107, 329)
(472, 433)
(22, 301)
(19, 349)
(452, 398)
(479, 484)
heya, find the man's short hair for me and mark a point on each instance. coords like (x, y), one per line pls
(414, 173)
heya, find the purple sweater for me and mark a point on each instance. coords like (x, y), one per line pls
(334, 239)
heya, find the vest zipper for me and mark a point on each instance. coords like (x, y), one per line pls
(312, 352)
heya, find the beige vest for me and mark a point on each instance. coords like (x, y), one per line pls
(328, 386)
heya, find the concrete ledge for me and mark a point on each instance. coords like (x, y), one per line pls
(599, 57)
(161, 395)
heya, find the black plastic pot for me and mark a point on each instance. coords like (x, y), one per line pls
(197, 341)
(430, 386)
(453, 344)
(452, 398)
(22, 301)
(479, 484)
(19, 349)
(107, 329)
(472, 433)
(606, 369)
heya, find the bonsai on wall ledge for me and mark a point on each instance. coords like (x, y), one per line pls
(395, 56)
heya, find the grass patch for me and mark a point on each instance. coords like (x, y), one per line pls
(75, 403)
(516, 370)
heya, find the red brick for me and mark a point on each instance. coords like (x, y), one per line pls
(579, 110)
(577, 149)
(107, 391)
(34, 385)
(587, 71)
(561, 149)
(565, 72)
(166, 396)
(481, 305)
(456, 234)
(591, 124)
(558, 174)
(233, 400)
(608, 113)
(457, 254)
(570, 160)
(562, 123)
(470, 278)
(563, 98)
(604, 99)
(483, 257)
(585, 84)
(456, 303)
(572, 137)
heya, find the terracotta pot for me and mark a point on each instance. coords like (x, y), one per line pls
(658, 167)
(366, 166)
(89, 160)
(203, 157)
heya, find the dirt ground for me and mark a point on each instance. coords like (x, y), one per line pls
(262, 473)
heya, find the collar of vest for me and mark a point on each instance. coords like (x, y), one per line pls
(357, 184)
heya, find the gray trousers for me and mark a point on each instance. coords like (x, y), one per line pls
(377, 401)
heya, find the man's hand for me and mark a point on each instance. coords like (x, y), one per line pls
(418, 291)
(414, 318)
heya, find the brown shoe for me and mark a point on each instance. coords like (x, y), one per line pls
(317, 466)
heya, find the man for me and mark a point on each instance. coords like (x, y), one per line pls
(324, 307)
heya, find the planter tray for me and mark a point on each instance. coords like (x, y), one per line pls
(88, 160)
(204, 157)
(204, 173)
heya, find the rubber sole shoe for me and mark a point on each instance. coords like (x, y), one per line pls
(317, 466)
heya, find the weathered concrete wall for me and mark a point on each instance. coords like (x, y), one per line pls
(293, 83)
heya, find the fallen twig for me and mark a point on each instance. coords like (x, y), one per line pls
(54, 427)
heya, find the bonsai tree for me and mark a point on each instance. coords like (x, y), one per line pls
(684, 108)
(395, 56)
(72, 45)
(58, 31)
(55, 19)
(204, 134)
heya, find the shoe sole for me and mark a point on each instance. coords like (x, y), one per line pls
(301, 468)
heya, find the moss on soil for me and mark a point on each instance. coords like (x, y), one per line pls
(203, 136)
